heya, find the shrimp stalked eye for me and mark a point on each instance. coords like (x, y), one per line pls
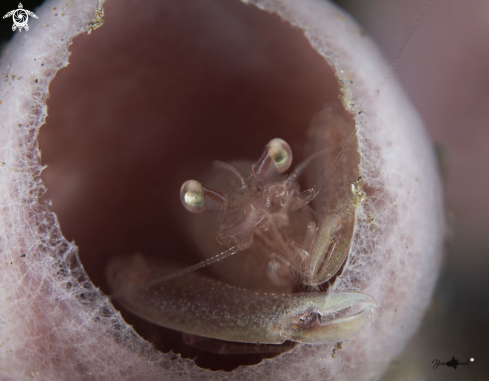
(197, 198)
(277, 152)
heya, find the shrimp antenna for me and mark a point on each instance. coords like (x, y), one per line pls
(337, 158)
(413, 28)
(229, 168)
(216, 258)
(301, 166)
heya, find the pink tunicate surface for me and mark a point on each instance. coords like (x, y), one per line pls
(123, 111)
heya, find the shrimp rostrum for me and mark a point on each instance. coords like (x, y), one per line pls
(273, 238)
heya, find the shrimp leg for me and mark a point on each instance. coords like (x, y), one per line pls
(206, 307)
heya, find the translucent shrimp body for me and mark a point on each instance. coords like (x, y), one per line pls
(256, 209)
(255, 213)
(202, 306)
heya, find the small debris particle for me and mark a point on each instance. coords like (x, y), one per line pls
(333, 354)
(340, 17)
(43, 63)
(359, 195)
(370, 219)
(98, 20)
(36, 80)
(23, 255)
(339, 345)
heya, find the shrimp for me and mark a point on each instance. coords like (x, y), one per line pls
(266, 218)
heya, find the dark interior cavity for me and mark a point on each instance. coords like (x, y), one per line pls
(150, 100)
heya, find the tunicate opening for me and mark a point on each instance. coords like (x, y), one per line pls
(149, 101)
